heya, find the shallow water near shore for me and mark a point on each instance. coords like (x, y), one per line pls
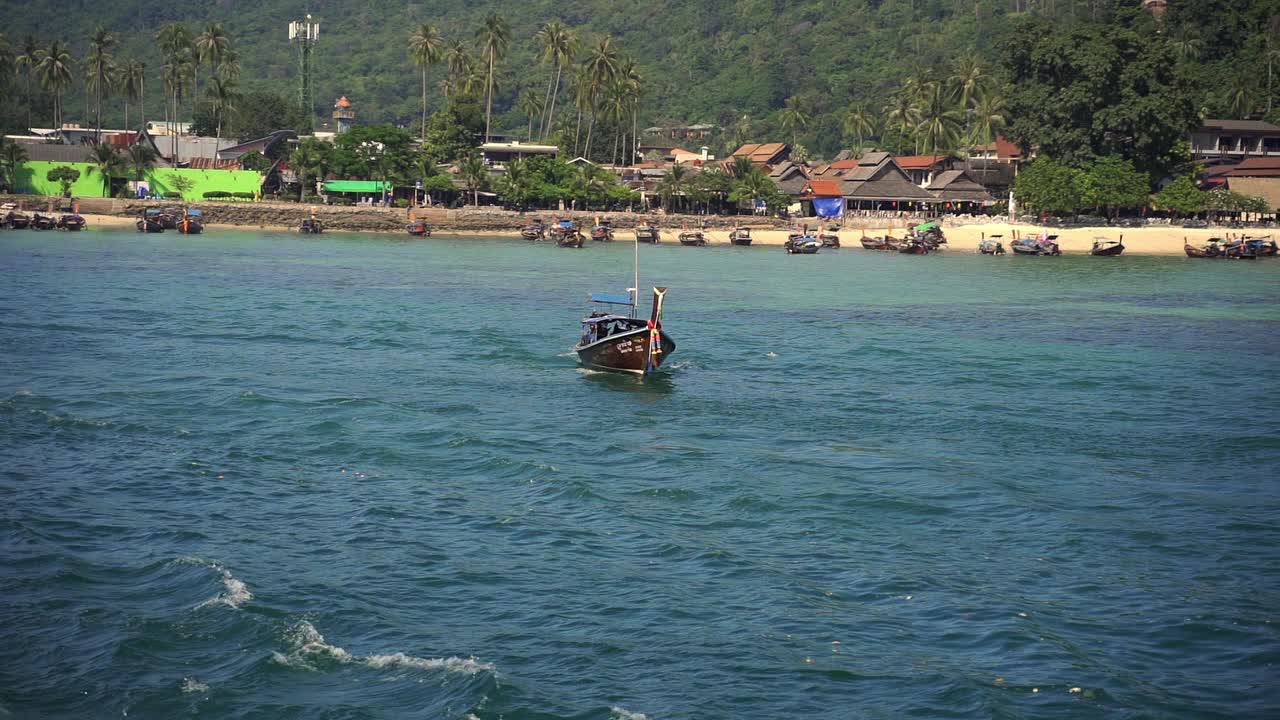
(252, 475)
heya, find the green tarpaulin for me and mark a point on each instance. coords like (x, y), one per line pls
(356, 186)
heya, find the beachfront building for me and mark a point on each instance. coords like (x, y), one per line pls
(762, 155)
(1235, 139)
(681, 132)
(957, 192)
(873, 183)
(923, 168)
(496, 153)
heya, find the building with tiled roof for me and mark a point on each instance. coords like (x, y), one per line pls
(763, 153)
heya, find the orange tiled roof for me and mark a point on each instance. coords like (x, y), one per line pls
(824, 188)
(919, 162)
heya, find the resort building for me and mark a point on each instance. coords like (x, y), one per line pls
(956, 191)
(923, 168)
(1235, 139)
(501, 152)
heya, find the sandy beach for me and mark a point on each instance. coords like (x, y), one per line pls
(965, 238)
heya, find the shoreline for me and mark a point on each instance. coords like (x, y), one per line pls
(963, 238)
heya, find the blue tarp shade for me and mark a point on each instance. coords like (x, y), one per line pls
(566, 223)
(611, 299)
(829, 207)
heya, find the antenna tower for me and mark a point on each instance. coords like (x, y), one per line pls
(305, 34)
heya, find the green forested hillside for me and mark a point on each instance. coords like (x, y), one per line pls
(733, 63)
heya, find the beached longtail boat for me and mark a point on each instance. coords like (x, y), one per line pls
(829, 238)
(1103, 247)
(43, 222)
(802, 242)
(602, 231)
(692, 238)
(1043, 245)
(149, 222)
(622, 342)
(311, 226)
(71, 222)
(991, 245)
(192, 222)
(534, 231)
(418, 228)
(647, 233)
(740, 236)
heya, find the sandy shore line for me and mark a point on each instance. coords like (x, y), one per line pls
(1137, 241)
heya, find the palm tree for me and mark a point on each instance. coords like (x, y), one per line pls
(601, 67)
(130, 83)
(902, 113)
(475, 174)
(229, 67)
(12, 157)
(223, 95)
(859, 123)
(939, 121)
(175, 42)
(1188, 43)
(306, 160)
(673, 184)
(459, 61)
(794, 117)
(988, 117)
(426, 46)
(494, 38)
(1240, 95)
(140, 157)
(582, 102)
(559, 45)
(530, 104)
(8, 66)
(968, 80)
(211, 46)
(28, 61)
(614, 106)
(633, 85)
(104, 159)
(55, 76)
(99, 72)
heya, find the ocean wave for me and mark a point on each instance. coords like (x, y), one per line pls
(236, 593)
(193, 685)
(308, 649)
(624, 714)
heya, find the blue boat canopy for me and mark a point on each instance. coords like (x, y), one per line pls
(566, 223)
(611, 299)
(195, 212)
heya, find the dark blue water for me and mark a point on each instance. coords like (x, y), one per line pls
(263, 476)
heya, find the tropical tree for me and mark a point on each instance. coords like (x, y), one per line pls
(460, 62)
(12, 157)
(64, 175)
(28, 62)
(601, 68)
(752, 187)
(140, 156)
(210, 47)
(860, 124)
(1046, 185)
(306, 161)
(229, 66)
(1240, 92)
(426, 47)
(559, 45)
(475, 175)
(794, 118)
(988, 117)
(1111, 182)
(939, 123)
(106, 161)
(8, 63)
(54, 70)
(131, 78)
(175, 43)
(633, 85)
(223, 96)
(1188, 43)
(673, 184)
(99, 72)
(968, 80)
(494, 37)
(1181, 197)
(530, 105)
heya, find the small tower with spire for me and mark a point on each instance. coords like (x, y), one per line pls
(1156, 7)
(343, 115)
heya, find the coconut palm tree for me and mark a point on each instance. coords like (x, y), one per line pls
(530, 104)
(211, 47)
(633, 84)
(305, 161)
(12, 157)
(939, 122)
(614, 106)
(559, 45)
(1188, 43)
(602, 67)
(582, 102)
(475, 175)
(99, 71)
(140, 157)
(794, 118)
(673, 184)
(988, 117)
(229, 66)
(175, 43)
(968, 80)
(426, 47)
(494, 37)
(55, 75)
(223, 96)
(459, 60)
(902, 114)
(130, 82)
(859, 123)
(106, 161)
(28, 61)
(1240, 95)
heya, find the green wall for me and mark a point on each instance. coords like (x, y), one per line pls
(32, 179)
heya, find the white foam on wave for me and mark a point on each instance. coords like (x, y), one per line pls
(625, 714)
(193, 685)
(236, 593)
(307, 644)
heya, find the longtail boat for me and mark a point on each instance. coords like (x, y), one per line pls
(602, 231)
(740, 236)
(72, 222)
(418, 228)
(692, 238)
(647, 233)
(192, 222)
(149, 221)
(623, 342)
(566, 234)
(802, 242)
(1103, 247)
(829, 238)
(536, 230)
(1043, 245)
(311, 226)
(43, 222)
(991, 245)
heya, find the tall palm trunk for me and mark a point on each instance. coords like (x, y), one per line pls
(591, 127)
(577, 132)
(424, 102)
(488, 110)
(546, 103)
(551, 114)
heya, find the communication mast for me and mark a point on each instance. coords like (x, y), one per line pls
(305, 34)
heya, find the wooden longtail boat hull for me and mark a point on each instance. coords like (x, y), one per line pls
(418, 229)
(19, 222)
(647, 235)
(740, 237)
(601, 234)
(311, 227)
(148, 226)
(570, 241)
(627, 352)
(72, 223)
(190, 227)
(1108, 251)
(872, 243)
(43, 222)
(692, 239)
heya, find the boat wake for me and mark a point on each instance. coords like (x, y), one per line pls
(309, 651)
(624, 714)
(235, 594)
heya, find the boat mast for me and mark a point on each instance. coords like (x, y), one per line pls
(635, 290)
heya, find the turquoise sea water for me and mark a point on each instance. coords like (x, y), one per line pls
(262, 476)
